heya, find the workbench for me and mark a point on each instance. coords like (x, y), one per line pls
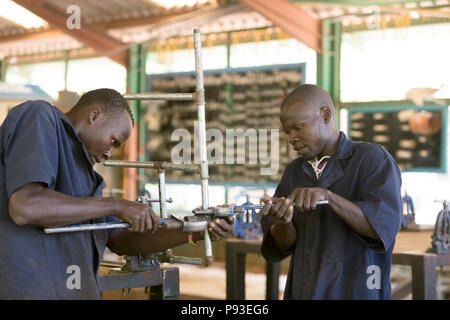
(236, 251)
(164, 282)
(410, 249)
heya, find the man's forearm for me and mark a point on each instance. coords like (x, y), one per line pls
(285, 235)
(36, 205)
(352, 215)
(125, 242)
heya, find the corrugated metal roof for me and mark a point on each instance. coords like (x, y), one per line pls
(103, 11)
(134, 21)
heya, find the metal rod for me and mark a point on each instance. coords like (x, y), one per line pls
(200, 99)
(162, 193)
(151, 165)
(256, 207)
(161, 96)
(186, 260)
(167, 223)
(170, 200)
(86, 227)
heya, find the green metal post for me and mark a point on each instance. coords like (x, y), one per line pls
(137, 83)
(328, 63)
(228, 49)
(66, 68)
(3, 70)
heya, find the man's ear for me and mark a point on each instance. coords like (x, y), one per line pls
(325, 114)
(94, 114)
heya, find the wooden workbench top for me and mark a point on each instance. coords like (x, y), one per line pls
(413, 241)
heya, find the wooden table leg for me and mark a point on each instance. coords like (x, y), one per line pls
(424, 277)
(235, 272)
(272, 280)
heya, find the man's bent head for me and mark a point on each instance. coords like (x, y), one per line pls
(307, 116)
(103, 121)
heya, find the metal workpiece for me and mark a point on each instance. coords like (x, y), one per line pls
(147, 200)
(199, 222)
(170, 258)
(218, 211)
(162, 193)
(151, 261)
(204, 174)
(156, 165)
(231, 209)
(86, 227)
(186, 224)
(161, 96)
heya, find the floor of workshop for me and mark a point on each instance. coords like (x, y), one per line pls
(201, 283)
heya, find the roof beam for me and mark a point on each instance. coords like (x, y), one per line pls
(87, 34)
(291, 19)
(104, 26)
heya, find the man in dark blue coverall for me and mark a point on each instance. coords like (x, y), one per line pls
(47, 179)
(343, 249)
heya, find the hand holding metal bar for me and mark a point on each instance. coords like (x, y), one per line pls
(322, 202)
(230, 210)
(187, 224)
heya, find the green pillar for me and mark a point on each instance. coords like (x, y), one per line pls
(229, 49)
(66, 67)
(137, 83)
(3, 70)
(328, 63)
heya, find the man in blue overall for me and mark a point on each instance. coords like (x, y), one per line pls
(343, 249)
(47, 179)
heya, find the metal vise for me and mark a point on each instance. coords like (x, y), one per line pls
(221, 211)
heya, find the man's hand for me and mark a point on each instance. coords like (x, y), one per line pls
(278, 210)
(139, 215)
(220, 228)
(306, 198)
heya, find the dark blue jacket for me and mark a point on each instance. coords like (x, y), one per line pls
(38, 144)
(330, 260)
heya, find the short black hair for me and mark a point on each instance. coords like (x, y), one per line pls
(109, 99)
(309, 94)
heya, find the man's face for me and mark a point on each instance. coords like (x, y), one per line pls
(104, 133)
(304, 128)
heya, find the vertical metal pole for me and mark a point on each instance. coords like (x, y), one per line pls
(204, 175)
(162, 193)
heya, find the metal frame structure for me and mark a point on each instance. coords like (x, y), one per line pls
(199, 97)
